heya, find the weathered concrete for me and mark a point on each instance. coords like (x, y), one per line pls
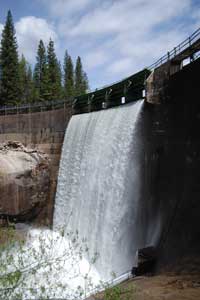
(170, 160)
(43, 131)
(158, 80)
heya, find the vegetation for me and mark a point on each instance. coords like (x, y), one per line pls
(53, 73)
(81, 80)
(33, 266)
(113, 293)
(18, 84)
(68, 77)
(26, 85)
(119, 292)
(9, 72)
(41, 266)
(40, 73)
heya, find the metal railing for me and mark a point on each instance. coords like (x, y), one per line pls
(124, 91)
(187, 43)
(34, 107)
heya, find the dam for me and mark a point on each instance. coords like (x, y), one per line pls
(129, 175)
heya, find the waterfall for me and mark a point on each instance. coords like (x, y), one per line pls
(99, 200)
(99, 186)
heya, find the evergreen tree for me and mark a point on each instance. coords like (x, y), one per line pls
(41, 80)
(86, 87)
(27, 93)
(68, 77)
(54, 73)
(22, 79)
(9, 79)
(60, 77)
(81, 80)
(78, 76)
(30, 90)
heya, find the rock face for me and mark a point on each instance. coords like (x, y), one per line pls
(24, 182)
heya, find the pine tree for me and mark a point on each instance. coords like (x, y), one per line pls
(81, 79)
(86, 87)
(22, 79)
(9, 79)
(54, 73)
(41, 80)
(26, 86)
(68, 77)
(78, 76)
(30, 91)
(60, 77)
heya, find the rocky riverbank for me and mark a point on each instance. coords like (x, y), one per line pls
(24, 182)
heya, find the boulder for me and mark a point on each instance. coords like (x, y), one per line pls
(24, 182)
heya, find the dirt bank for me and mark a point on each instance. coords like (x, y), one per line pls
(183, 283)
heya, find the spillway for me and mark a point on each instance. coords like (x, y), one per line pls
(99, 186)
(100, 209)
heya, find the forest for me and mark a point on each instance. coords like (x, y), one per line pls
(20, 82)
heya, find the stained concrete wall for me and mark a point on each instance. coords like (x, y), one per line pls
(43, 131)
(170, 162)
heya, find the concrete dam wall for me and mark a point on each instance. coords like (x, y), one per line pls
(171, 165)
(43, 131)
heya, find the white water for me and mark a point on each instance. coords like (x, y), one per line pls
(97, 199)
(99, 186)
(51, 267)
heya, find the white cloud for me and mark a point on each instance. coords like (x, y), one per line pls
(29, 31)
(136, 54)
(120, 66)
(128, 15)
(96, 58)
(122, 36)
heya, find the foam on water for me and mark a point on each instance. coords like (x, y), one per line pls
(99, 183)
(52, 267)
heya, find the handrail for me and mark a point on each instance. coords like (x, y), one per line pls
(131, 87)
(177, 50)
(36, 107)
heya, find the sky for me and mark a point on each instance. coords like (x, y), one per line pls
(115, 38)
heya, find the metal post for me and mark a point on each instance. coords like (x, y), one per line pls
(89, 104)
(174, 51)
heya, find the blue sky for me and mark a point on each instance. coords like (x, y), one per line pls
(114, 38)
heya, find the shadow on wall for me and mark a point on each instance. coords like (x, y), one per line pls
(170, 160)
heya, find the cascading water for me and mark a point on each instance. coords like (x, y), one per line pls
(99, 200)
(99, 186)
